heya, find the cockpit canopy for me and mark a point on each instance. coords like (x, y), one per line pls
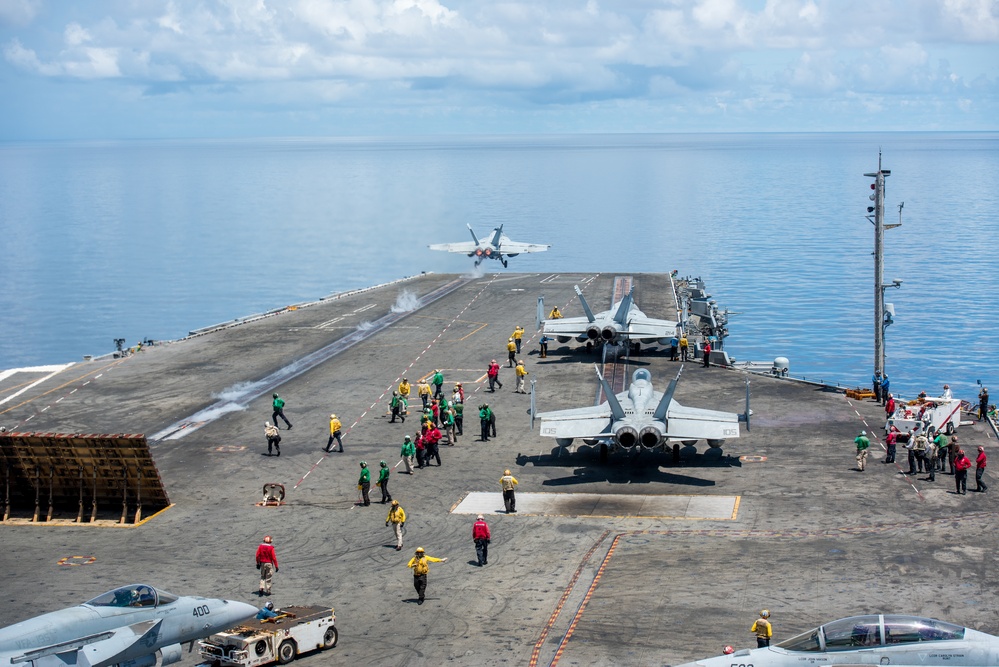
(857, 632)
(135, 595)
(642, 374)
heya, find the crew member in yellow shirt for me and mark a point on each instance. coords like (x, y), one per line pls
(335, 427)
(420, 564)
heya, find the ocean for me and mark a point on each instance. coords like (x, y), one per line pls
(151, 239)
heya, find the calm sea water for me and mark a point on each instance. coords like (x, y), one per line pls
(153, 239)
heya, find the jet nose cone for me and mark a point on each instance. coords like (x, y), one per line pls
(233, 613)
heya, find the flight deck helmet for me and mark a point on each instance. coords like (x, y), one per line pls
(764, 613)
(506, 472)
(419, 550)
(270, 605)
(364, 464)
(383, 464)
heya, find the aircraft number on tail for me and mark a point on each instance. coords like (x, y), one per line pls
(203, 610)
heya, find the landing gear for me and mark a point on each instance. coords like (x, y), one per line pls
(604, 450)
(503, 261)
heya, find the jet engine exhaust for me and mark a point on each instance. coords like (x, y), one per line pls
(593, 333)
(650, 437)
(608, 333)
(626, 436)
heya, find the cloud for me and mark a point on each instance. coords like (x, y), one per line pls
(18, 12)
(438, 57)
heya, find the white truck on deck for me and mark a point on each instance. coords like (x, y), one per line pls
(295, 630)
(933, 414)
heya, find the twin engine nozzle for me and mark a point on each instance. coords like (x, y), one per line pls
(628, 436)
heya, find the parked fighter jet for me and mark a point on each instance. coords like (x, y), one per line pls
(136, 625)
(499, 247)
(900, 641)
(624, 321)
(641, 416)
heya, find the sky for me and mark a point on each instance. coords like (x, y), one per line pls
(128, 69)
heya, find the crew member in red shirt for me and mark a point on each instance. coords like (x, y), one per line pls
(980, 470)
(267, 564)
(961, 465)
(481, 537)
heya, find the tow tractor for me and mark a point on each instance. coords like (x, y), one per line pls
(934, 414)
(295, 630)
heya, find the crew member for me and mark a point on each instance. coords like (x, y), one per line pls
(396, 519)
(983, 403)
(335, 427)
(543, 344)
(763, 629)
(684, 347)
(481, 537)
(273, 438)
(408, 452)
(980, 462)
(876, 383)
(420, 564)
(267, 564)
(438, 383)
(522, 374)
(423, 391)
(518, 333)
(398, 405)
(706, 350)
(404, 389)
(555, 314)
(509, 485)
(885, 388)
(511, 352)
(484, 413)
(961, 465)
(383, 480)
(862, 444)
(493, 375)
(364, 484)
(278, 406)
(266, 612)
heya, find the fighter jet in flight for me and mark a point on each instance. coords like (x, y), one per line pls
(641, 416)
(499, 247)
(137, 625)
(623, 322)
(899, 641)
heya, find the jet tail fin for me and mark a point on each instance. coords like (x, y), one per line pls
(663, 407)
(496, 237)
(621, 316)
(474, 237)
(586, 307)
(744, 417)
(617, 412)
(541, 311)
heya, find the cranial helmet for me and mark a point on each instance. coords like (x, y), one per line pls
(419, 550)
(395, 503)
(764, 613)
(270, 605)
(364, 464)
(274, 396)
(383, 464)
(506, 472)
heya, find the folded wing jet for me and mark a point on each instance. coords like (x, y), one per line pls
(899, 641)
(498, 247)
(624, 321)
(137, 625)
(642, 417)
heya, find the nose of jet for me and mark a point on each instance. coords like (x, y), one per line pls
(234, 613)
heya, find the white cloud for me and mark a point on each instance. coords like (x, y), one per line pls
(18, 12)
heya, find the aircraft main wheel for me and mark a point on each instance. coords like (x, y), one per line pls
(331, 637)
(286, 652)
(603, 452)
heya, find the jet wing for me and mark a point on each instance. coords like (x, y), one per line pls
(566, 326)
(461, 246)
(649, 327)
(589, 422)
(99, 650)
(684, 423)
(515, 248)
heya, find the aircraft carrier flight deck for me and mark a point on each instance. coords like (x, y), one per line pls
(637, 560)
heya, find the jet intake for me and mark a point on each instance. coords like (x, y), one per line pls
(626, 436)
(608, 333)
(592, 333)
(650, 437)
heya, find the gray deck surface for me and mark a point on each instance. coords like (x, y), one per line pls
(674, 571)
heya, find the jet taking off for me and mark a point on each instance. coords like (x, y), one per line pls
(641, 416)
(136, 625)
(899, 641)
(624, 321)
(499, 247)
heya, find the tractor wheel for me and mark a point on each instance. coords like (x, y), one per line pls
(286, 652)
(331, 637)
